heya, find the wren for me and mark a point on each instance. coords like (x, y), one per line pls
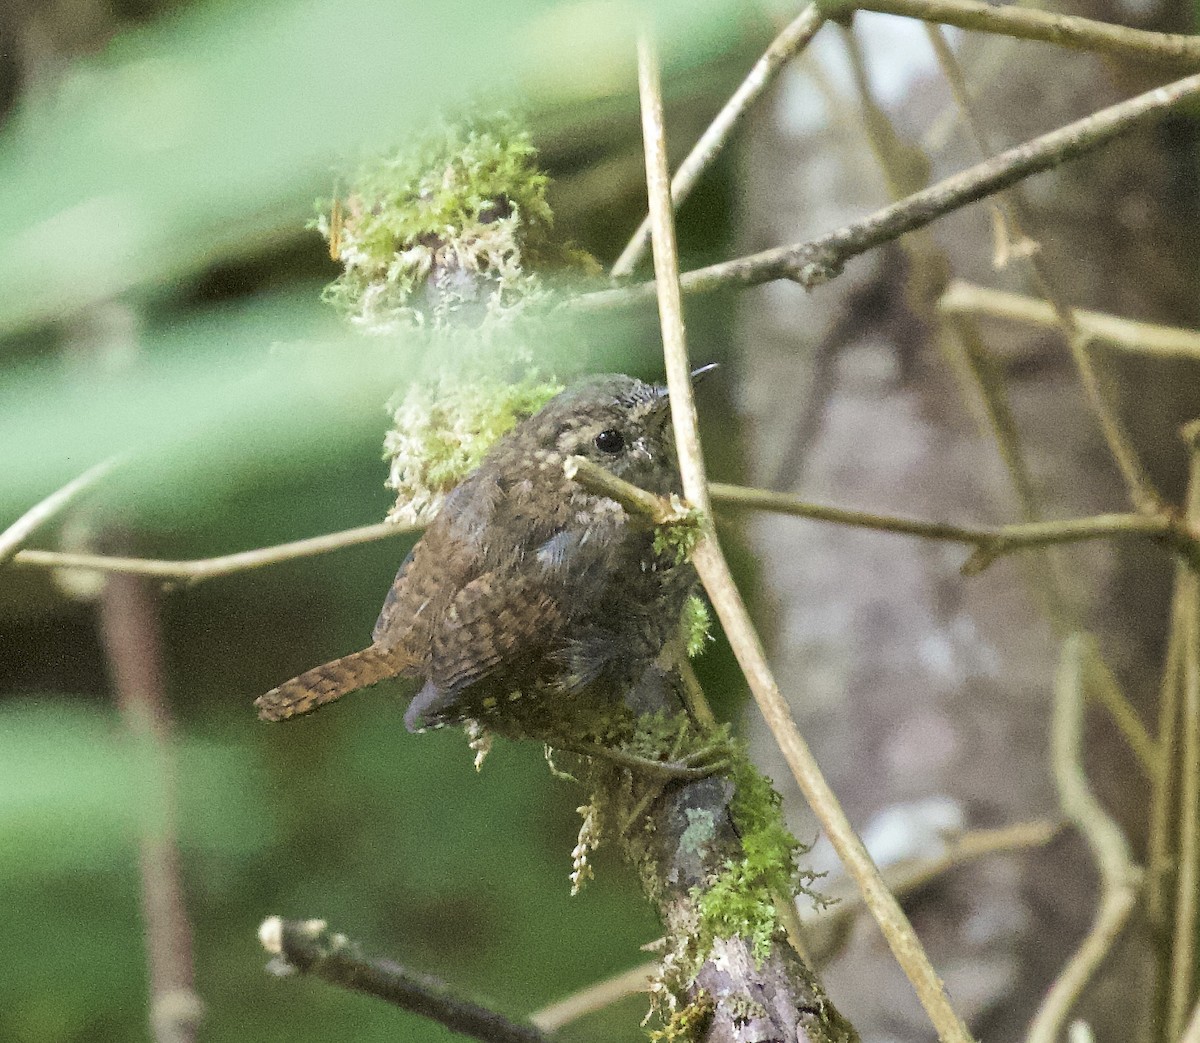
(526, 584)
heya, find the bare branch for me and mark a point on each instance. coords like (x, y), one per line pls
(1028, 23)
(15, 536)
(189, 573)
(1119, 878)
(820, 260)
(783, 48)
(714, 573)
(132, 635)
(595, 997)
(308, 946)
(964, 298)
(1187, 862)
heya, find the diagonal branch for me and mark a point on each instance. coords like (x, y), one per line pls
(822, 259)
(189, 573)
(783, 48)
(1144, 338)
(15, 536)
(309, 947)
(1027, 23)
(726, 599)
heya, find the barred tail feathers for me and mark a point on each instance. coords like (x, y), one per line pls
(327, 682)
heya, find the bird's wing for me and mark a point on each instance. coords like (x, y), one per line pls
(494, 622)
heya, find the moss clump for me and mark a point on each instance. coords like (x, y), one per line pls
(441, 431)
(678, 538)
(451, 229)
(741, 899)
(686, 1022)
(696, 625)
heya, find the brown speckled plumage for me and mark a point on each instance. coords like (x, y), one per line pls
(525, 582)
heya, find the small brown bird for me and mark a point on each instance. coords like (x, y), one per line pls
(526, 583)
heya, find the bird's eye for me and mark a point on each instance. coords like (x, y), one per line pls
(610, 441)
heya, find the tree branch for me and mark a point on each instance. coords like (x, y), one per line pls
(822, 259)
(309, 947)
(15, 536)
(189, 573)
(132, 637)
(1119, 878)
(1028, 23)
(726, 599)
(965, 298)
(783, 48)
(1187, 863)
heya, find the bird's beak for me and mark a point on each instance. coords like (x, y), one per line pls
(698, 374)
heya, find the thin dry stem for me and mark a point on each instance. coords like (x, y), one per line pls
(189, 573)
(1142, 338)
(1119, 878)
(714, 573)
(132, 636)
(1028, 23)
(1187, 903)
(595, 997)
(794, 38)
(18, 533)
(820, 260)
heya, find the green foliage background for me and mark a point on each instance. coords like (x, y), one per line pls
(166, 182)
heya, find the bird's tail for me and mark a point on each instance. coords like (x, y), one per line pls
(323, 684)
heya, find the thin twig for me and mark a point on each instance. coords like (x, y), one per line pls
(783, 48)
(1119, 878)
(1161, 844)
(1028, 23)
(595, 997)
(1187, 903)
(189, 573)
(990, 541)
(1137, 480)
(16, 535)
(308, 946)
(820, 260)
(1191, 1034)
(714, 573)
(826, 927)
(1142, 338)
(132, 635)
(666, 270)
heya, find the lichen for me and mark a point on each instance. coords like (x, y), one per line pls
(590, 835)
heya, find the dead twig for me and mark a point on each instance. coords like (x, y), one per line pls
(714, 573)
(309, 947)
(1120, 879)
(794, 38)
(820, 260)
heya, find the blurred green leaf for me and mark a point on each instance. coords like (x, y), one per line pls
(207, 135)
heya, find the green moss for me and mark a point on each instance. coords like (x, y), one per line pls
(453, 227)
(442, 430)
(697, 625)
(740, 901)
(686, 1022)
(678, 539)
